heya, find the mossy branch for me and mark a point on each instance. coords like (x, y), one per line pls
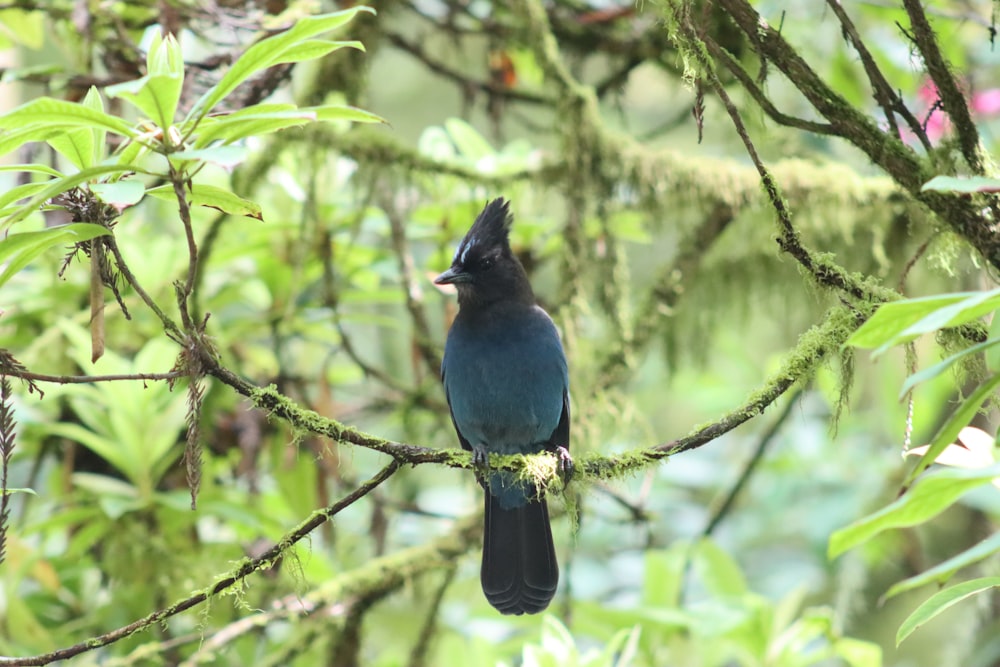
(813, 347)
(952, 99)
(962, 214)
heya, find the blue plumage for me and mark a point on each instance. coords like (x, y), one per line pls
(506, 380)
(508, 386)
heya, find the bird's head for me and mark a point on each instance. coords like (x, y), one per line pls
(484, 269)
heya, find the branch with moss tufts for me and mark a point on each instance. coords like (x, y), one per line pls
(952, 99)
(866, 294)
(814, 346)
(963, 214)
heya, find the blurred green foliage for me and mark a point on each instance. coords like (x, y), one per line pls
(315, 241)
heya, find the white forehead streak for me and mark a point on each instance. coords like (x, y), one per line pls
(463, 250)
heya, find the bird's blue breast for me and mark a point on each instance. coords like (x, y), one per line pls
(506, 377)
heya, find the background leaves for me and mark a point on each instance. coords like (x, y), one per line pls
(279, 269)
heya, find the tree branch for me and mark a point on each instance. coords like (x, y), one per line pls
(89, 379)
(737, 70)
(247, 567)
(465, 82)
(887, 98)
(952, 99)
(963, 214)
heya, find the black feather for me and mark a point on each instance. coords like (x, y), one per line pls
(519, 572)
(488, 238)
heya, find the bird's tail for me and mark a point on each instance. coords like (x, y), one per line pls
(519, 572)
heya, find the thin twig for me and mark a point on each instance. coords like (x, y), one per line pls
(88, 379)
(465, 82)
(172, 330)
(767, 106)
(7, 437)
(184, 209)
(823, 270)
(636, 509)
(205, 249)
(887, 98)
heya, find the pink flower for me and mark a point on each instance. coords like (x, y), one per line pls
(936, 122)
(987, 102)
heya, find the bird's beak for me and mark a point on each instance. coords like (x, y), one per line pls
(452, 276)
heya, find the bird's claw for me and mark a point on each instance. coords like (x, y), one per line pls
(481, 463)
(565, 465)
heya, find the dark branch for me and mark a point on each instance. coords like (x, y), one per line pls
(952, 99)
(887, 98)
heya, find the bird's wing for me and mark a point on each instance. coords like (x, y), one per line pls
(560, 437)
(461, 438)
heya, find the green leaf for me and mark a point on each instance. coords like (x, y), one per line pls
(84, 147)
(46, 70)
(57, 186)
(31, 492)
(664, 576)
(930, 496)
(267, 53)
(316, 48)
(263, 119)
(469, 142)
(11, 140)
(77, 146)
(938, 368)
(131, 151)
(970, 308)
(22, 622)
(158, 93)
(962, 184)
(893, 318)
(993, 354)
(938, 602)
(165, 56)
(18, 193)
(858, 653)
(212, 197)
(225, 201)
(49, 112)
(31, 169)
(331, 112)
(720, 574)
(155, 96)
(227, 157)
(941, 572)
(120, 194)
(953, 426)
(259, 120)
(18, 250)
(93, 100)
(23, 27)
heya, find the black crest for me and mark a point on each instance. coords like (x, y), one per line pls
(488, 234)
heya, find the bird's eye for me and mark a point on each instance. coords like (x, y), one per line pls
(487, 263)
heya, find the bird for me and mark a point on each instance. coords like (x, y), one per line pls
(506, 381)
